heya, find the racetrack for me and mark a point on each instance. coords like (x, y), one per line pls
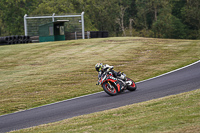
(182, 80)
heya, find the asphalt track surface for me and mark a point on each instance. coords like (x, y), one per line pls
(178, 81)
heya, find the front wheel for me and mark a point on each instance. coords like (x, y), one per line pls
(132, 86)
(109, 89)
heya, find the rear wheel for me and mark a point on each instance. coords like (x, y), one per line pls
(109, 89)
(132, 86)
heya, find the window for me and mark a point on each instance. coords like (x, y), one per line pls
(51, 31)
(62, 31)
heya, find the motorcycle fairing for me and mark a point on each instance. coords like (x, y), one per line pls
(116, 82)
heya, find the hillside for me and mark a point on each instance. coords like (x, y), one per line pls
(36, 74)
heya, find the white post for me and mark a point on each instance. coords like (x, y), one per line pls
(75, 35)
(53, 17)
(25, 25)
(82, 21)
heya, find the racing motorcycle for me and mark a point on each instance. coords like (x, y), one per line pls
(112, 86)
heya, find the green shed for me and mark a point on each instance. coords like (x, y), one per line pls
(53, 31)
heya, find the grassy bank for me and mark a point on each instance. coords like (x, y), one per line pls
(172, 114)
(32, 75)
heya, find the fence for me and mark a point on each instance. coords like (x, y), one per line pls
(31, 23)
(88, 34)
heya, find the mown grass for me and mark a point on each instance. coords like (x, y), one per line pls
(32, 75)
(172, 114)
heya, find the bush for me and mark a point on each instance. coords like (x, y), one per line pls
(174, 28)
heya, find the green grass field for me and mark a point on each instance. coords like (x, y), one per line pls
(35, 74)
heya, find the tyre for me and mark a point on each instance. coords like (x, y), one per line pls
(109, 90)
(131, 87)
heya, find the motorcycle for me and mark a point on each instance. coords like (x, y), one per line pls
(112, 86)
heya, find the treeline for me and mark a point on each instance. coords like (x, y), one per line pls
(148, 18)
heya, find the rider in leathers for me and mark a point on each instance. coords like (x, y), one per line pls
(100, 68)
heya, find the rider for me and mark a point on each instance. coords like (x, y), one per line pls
(100, 68)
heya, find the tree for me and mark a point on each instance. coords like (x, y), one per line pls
(148, 11)
(52, 6)
(166, 18)
(168, 26)
(102, 14)
(191, 15)
(120, 19)
(177, 6)
(12, 13)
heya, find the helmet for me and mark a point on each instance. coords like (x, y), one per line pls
(98, 66)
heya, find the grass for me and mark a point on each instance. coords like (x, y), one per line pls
(172, 114)
(35, 74)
